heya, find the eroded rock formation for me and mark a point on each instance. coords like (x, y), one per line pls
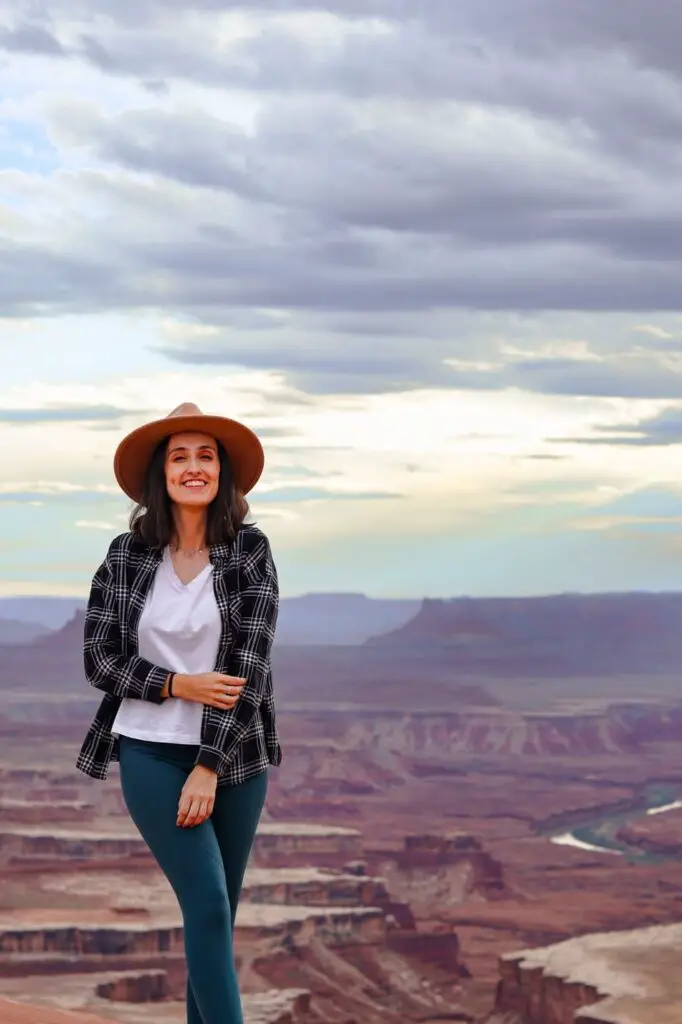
(297, 926)
(135, 987)
(431, 870)
(32, 812)
(609, 978)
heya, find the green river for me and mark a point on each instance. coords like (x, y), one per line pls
(599, 832)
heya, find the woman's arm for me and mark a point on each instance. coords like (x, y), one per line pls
(106, 667)
(259, 595)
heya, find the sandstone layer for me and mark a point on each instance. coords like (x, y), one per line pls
(12, 1012)
(87, 922)
(288, 1006)
(612, 978)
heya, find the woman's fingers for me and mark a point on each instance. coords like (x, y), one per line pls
(183, 808)
(225, 701)
(205, 811)
(233, 688)
(233, 684)
(225, 691)
(200, 812)
(193, 810)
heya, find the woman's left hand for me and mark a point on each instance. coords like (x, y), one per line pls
(197, 797)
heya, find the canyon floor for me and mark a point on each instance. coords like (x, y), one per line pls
(421, 835)
(400, 862)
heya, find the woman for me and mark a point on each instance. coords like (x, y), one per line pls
(178, 632)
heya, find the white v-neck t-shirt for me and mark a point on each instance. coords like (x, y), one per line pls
(179, 629)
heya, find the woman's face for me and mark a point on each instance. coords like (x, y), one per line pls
(192, 469)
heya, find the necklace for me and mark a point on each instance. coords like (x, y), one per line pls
(189, 552)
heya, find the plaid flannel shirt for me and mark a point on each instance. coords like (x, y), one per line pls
(238, 743)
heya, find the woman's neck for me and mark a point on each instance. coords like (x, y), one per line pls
(190, 529)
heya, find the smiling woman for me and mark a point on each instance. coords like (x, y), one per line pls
(178, 633)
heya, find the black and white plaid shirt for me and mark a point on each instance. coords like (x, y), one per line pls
(238, 743)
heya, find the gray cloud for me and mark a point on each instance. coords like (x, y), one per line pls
(553, 27)
(399, 175)
(356, 364)
(541, 63)
(533, 28)
(66, 414)
(31, 39)
(633, 378)
(197, 150)
(662, 430)
(368, 361)
(543, 457)
(499, 198)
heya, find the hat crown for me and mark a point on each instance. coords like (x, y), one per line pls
(185, 409)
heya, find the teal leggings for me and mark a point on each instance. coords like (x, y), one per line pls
(204, 864)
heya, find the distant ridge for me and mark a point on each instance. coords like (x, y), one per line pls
(51, 612)
(320, 619)
(12, 631)
(67, 639)
(340, 618)
(566, 633)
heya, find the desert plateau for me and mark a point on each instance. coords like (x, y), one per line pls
(478, 818)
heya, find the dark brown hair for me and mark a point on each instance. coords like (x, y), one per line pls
(152, 518)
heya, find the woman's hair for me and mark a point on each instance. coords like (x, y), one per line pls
(152, 518)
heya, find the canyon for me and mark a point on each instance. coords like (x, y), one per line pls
(421, 850)
(610, 978)
(88, 906)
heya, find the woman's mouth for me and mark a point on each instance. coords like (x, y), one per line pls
(194, 485)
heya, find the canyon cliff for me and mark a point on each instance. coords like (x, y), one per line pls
(613, 978)
(312, 905)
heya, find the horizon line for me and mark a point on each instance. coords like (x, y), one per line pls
(506, 596)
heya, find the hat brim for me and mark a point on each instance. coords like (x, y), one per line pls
(135, 451)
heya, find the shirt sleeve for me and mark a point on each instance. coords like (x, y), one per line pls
(250, 656)
(106, 667)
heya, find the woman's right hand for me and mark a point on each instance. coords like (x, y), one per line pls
(212, 688)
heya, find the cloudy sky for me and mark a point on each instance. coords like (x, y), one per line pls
(431, 252)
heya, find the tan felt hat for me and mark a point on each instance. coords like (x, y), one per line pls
(135, 451)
